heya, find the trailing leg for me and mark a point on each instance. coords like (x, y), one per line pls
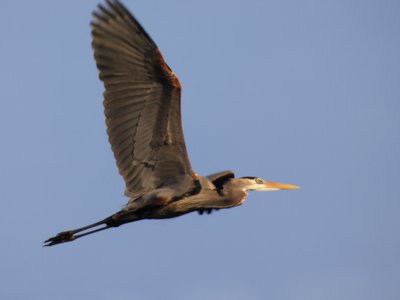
(71, 235)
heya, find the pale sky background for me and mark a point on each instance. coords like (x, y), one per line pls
(296, 91)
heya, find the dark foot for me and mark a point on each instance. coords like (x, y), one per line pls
(62, 237)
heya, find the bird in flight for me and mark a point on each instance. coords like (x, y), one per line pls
(143, 116)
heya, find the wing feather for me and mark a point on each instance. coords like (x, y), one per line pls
(141, 102)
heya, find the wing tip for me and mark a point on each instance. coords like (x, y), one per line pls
(115, 9)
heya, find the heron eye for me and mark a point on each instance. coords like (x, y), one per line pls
(258, 180)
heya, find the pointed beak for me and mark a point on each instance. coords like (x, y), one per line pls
(272, 186)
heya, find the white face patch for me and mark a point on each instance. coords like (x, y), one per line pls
(258, 184)
(255, 184)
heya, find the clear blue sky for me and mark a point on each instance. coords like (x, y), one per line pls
(303, 92)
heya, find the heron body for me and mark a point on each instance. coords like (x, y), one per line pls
(143, 116)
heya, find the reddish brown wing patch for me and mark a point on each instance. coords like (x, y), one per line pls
(167, 72)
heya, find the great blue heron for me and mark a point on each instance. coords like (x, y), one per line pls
(143, 116)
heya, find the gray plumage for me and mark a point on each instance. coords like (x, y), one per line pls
(143, 116)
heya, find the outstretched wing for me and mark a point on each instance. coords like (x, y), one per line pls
(142, 102)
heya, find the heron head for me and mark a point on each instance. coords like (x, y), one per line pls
(258, 184)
